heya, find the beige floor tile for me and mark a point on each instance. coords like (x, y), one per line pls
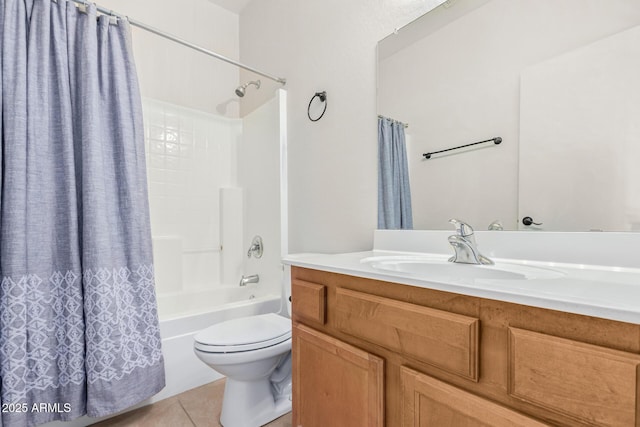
(166, 413)
(199, 407)
(283, 421)
(203, 404)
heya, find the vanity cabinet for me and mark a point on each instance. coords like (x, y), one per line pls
(335, 383)
(373, 353)
(428, 402)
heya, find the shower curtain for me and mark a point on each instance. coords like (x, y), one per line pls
(394, 193)
(79, 329)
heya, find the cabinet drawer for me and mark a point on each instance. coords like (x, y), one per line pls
(592, 384)
(446, 340)
(308, 300)
(427, 402)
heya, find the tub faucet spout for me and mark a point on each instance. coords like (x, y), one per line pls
(254, 278)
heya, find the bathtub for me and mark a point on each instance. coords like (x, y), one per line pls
(194, 302)
(183, 369)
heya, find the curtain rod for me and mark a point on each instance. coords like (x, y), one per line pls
(181, 41)
(406, 125)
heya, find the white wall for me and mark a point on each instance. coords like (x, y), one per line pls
(327, 45)
(174, 73)
(586, 141)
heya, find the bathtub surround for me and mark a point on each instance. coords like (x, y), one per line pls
(214, 183)
(191, 163)
(79, 322)
(231, 214)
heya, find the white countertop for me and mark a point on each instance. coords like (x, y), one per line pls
(601, 291)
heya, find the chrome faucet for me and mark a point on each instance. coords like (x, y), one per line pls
(464, 244)
(256, 248)
(496, 226)
(254, 278)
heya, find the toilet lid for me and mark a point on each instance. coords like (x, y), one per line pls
(244, 334)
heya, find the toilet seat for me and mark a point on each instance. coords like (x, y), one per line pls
(244, 334)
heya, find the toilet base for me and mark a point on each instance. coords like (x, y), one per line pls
(251, 404)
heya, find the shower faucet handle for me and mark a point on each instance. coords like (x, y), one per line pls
(256, 248)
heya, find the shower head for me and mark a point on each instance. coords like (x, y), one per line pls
(240, 91)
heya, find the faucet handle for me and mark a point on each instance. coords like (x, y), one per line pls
(256, 248)
(496, 225)
(462, 228)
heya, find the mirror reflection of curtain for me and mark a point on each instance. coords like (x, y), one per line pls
(394, 193)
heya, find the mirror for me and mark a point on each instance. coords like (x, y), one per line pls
(557, 80)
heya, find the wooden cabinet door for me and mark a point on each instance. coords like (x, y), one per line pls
(334, 383)
(428, 402)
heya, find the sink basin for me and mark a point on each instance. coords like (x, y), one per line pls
(439, 269)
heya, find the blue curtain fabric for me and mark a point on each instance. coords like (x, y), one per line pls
(394, 192)
(79, 327)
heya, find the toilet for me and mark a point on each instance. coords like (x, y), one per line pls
(254, 353)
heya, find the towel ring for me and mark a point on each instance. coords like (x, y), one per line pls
(322, 96)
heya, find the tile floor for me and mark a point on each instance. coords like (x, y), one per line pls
(199, 407)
